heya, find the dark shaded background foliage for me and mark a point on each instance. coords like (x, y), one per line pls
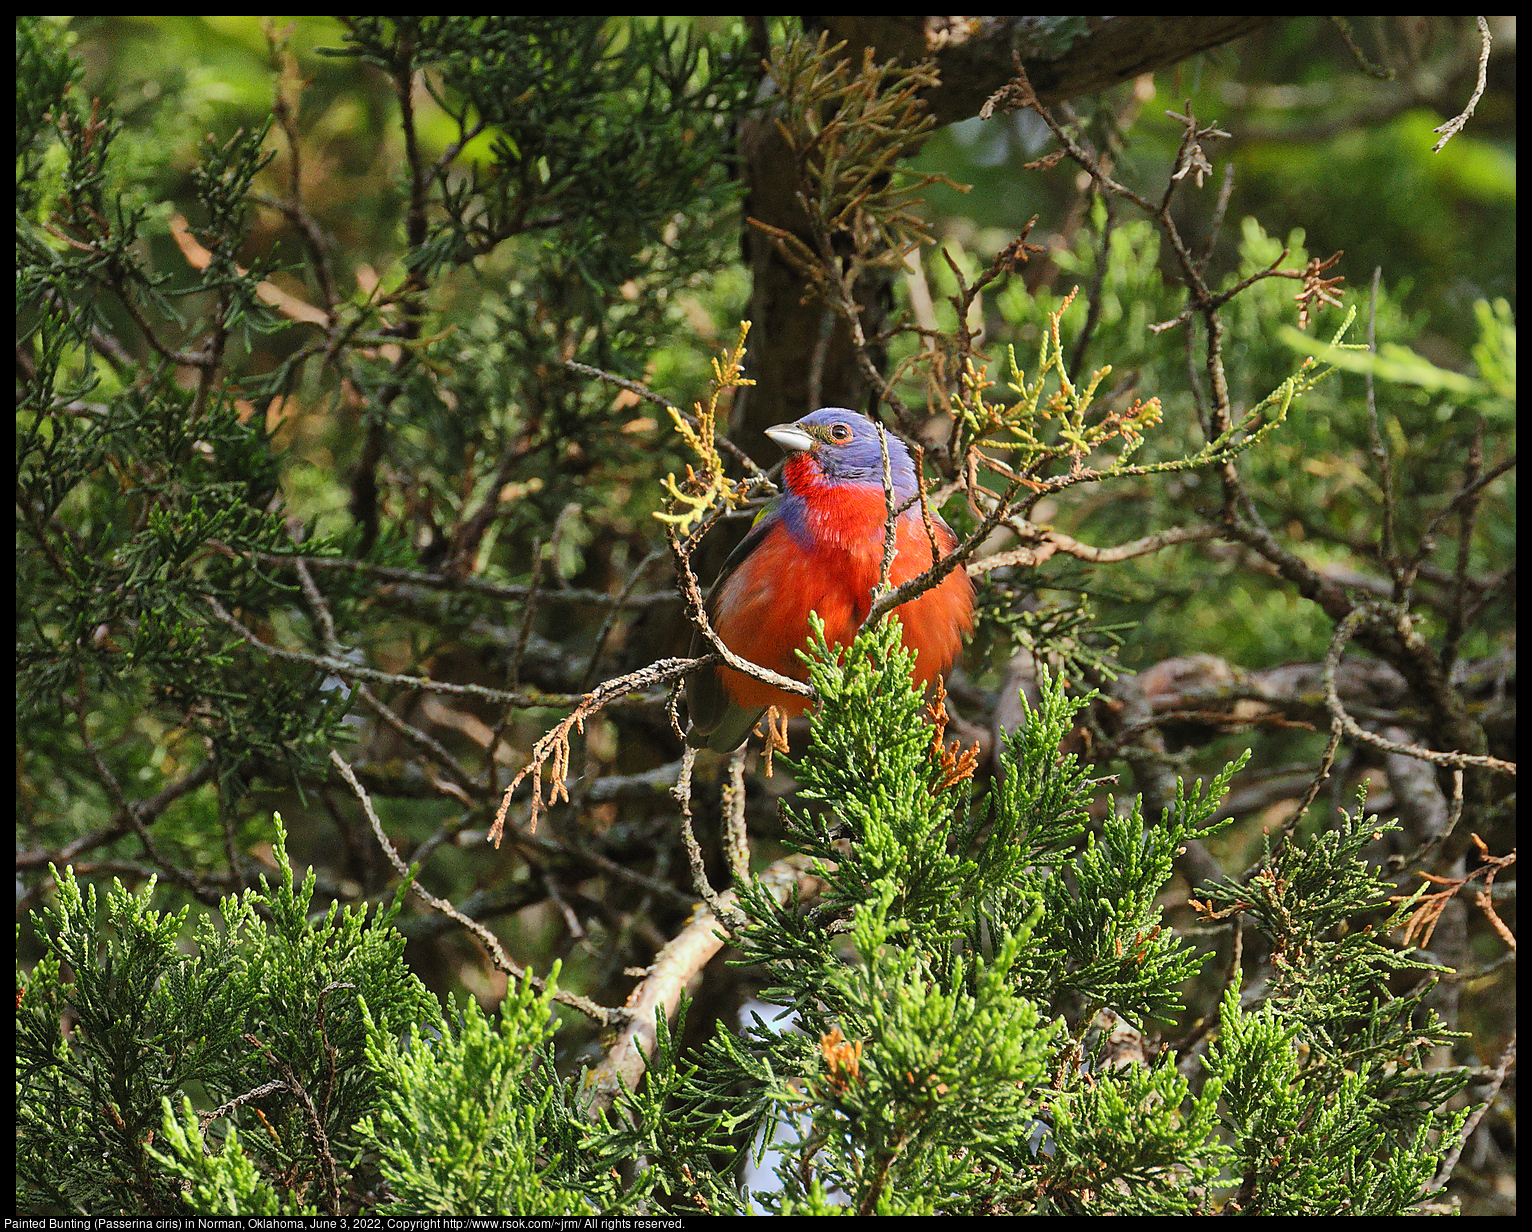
(184, 432)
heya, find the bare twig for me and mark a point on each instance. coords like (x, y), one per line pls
(141, 812)
(618, 601)
(725, 914)
(1456, 616)
(130, 808)
(891, 517)
(1367, 613)
(223, 1110)
(644, 392)
(528, 608)
(1093, 299)
(736, 838)
(501, 959)
(1386, 549)
(1472, 487)
(321, 1140)
(888, 600)
(1363, 61)
(527, 698)
(1046, 543)
(1454, 125)
(442, 580)
(696, 610)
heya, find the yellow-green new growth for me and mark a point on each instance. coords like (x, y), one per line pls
(709, 487)
(1017, 427)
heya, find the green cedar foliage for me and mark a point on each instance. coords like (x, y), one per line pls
(461, 1117)
(1327, 1084)
(1314, 1138)
(140, 499)
(948, 1055)
(338, 1084)
(117, 1025)
(154, 507)
(949, 1052)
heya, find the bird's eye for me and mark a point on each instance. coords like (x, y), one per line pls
(840, 432)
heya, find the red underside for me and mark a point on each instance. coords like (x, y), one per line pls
(762, 611)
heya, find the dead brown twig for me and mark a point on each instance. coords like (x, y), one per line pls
(552, 749)
(1423, 920)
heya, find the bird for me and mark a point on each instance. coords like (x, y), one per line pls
(818, 547)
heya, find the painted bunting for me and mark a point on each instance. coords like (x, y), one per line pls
(819, 548)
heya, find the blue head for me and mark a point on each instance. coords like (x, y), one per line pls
(844, 445)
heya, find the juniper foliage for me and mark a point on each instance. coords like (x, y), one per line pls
(264, 1022)
(948, 1052)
